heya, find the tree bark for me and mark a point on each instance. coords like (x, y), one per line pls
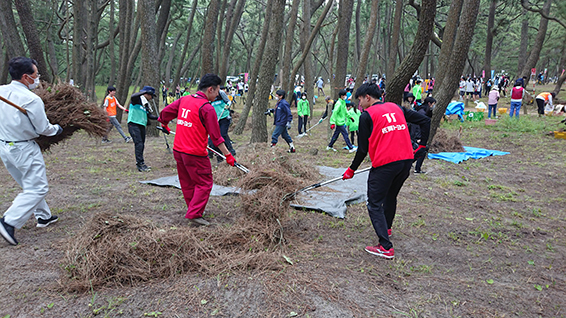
(307, 66)
(171, 57)
(362, 64)
(267, 72)
(12, 42)
(344, 21)
(358, 31)
(395, 38)
(80, 36)
(286, 67)
(523, 47)
(331, 75)
(448, 38)
(186, 45)
(306, 49)
(231, 25)
(539, 41)
(34, 44)
(456, 62)
(489, 38)
(239, 129)
(415, 56)
(149, 65)
(209, 36)
(112, 79)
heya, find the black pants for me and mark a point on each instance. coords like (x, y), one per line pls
(419, 163)
(384, 184)
(224, 124)
(353, 135)
(303, 123)
(137, 132)
(540, 104)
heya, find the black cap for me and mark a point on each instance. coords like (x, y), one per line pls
(148, 90)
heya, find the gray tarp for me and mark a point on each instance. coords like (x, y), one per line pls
(331, 199)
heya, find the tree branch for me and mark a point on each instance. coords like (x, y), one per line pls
(527, 6)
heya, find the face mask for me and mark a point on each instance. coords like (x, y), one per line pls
(35, 83)
(304, 97)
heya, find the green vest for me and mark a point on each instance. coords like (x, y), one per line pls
(137, 115)
(219, 107)
(303, 108)
(339, 113)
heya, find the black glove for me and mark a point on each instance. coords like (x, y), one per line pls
(269, 112)
(563, 121)
(420, 152)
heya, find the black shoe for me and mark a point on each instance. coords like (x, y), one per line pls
(45, 222)
(420, 172)
(143, 168)
(7, 232)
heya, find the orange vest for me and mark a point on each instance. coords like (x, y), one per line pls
(111, 108)
(544, 95)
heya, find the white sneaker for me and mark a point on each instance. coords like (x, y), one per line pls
(330, 148)
(354, 149)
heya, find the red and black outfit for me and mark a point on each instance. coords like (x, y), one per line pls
(383, 133)
(196, 120)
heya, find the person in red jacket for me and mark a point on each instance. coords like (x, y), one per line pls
(383, 133)
(196, 120)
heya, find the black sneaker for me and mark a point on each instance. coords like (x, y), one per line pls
(45, 222)
(7, 232)
(419, 172)
(144, 168)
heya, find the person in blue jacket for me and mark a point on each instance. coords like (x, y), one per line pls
(282, 119)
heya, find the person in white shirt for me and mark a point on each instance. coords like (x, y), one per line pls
(462, 88)
(19, 152)
(470, 88)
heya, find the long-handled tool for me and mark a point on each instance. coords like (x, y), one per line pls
(306, 131)
(165, 136)
(320, 184)
(14, 105)
(237, 165)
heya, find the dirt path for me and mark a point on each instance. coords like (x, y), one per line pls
(480, 239)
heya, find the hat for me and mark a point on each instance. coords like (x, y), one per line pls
(148, 90)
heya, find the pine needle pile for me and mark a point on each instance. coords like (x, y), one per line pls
(444, 143)
(67, 106)
(115, 250)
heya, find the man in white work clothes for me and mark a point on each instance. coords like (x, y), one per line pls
(19, 152)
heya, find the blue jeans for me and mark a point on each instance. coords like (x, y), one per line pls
(340, 130)
(515, 107)
(280, 130)
(490, 108)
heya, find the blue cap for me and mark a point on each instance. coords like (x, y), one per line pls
(148, 90)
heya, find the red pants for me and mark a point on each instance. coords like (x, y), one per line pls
(195, 177)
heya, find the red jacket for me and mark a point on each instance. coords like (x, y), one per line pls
(196, 120)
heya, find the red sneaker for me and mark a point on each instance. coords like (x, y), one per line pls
(380, 251)
(389, 232)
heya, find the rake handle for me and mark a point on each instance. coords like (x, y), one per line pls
(12, 104)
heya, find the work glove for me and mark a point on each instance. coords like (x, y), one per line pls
(230, 159)
(420, 151)
(269, 112)
(332, 126)
(349, 174)
(563, 121)
(288, 125)
(127, 110)
(165, 129)
(59, 130)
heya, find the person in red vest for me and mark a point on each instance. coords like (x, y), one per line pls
(517, 94)
(196, 120)
(383, 133)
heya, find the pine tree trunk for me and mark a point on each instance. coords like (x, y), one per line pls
(415, 56)
(267, 72)
(539, 41)
(524, 43)
(395, 38)
(342, 50)
(209, 37)
(239, 129)
(12, 42)
(185, 46)
(489, 38)
(362, 64)
(286, 68)
(231, 25)
(457, 60)
(34, 44)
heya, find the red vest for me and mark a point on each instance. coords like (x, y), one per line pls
(390, 140)
(517, 92)
(191, 136)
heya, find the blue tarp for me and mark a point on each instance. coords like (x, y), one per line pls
(471, 152)
(456, 108)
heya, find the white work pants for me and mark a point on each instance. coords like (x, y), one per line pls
(25, 163)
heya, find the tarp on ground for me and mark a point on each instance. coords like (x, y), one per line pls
(456, 108)
(331, 199)
(471, 152)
